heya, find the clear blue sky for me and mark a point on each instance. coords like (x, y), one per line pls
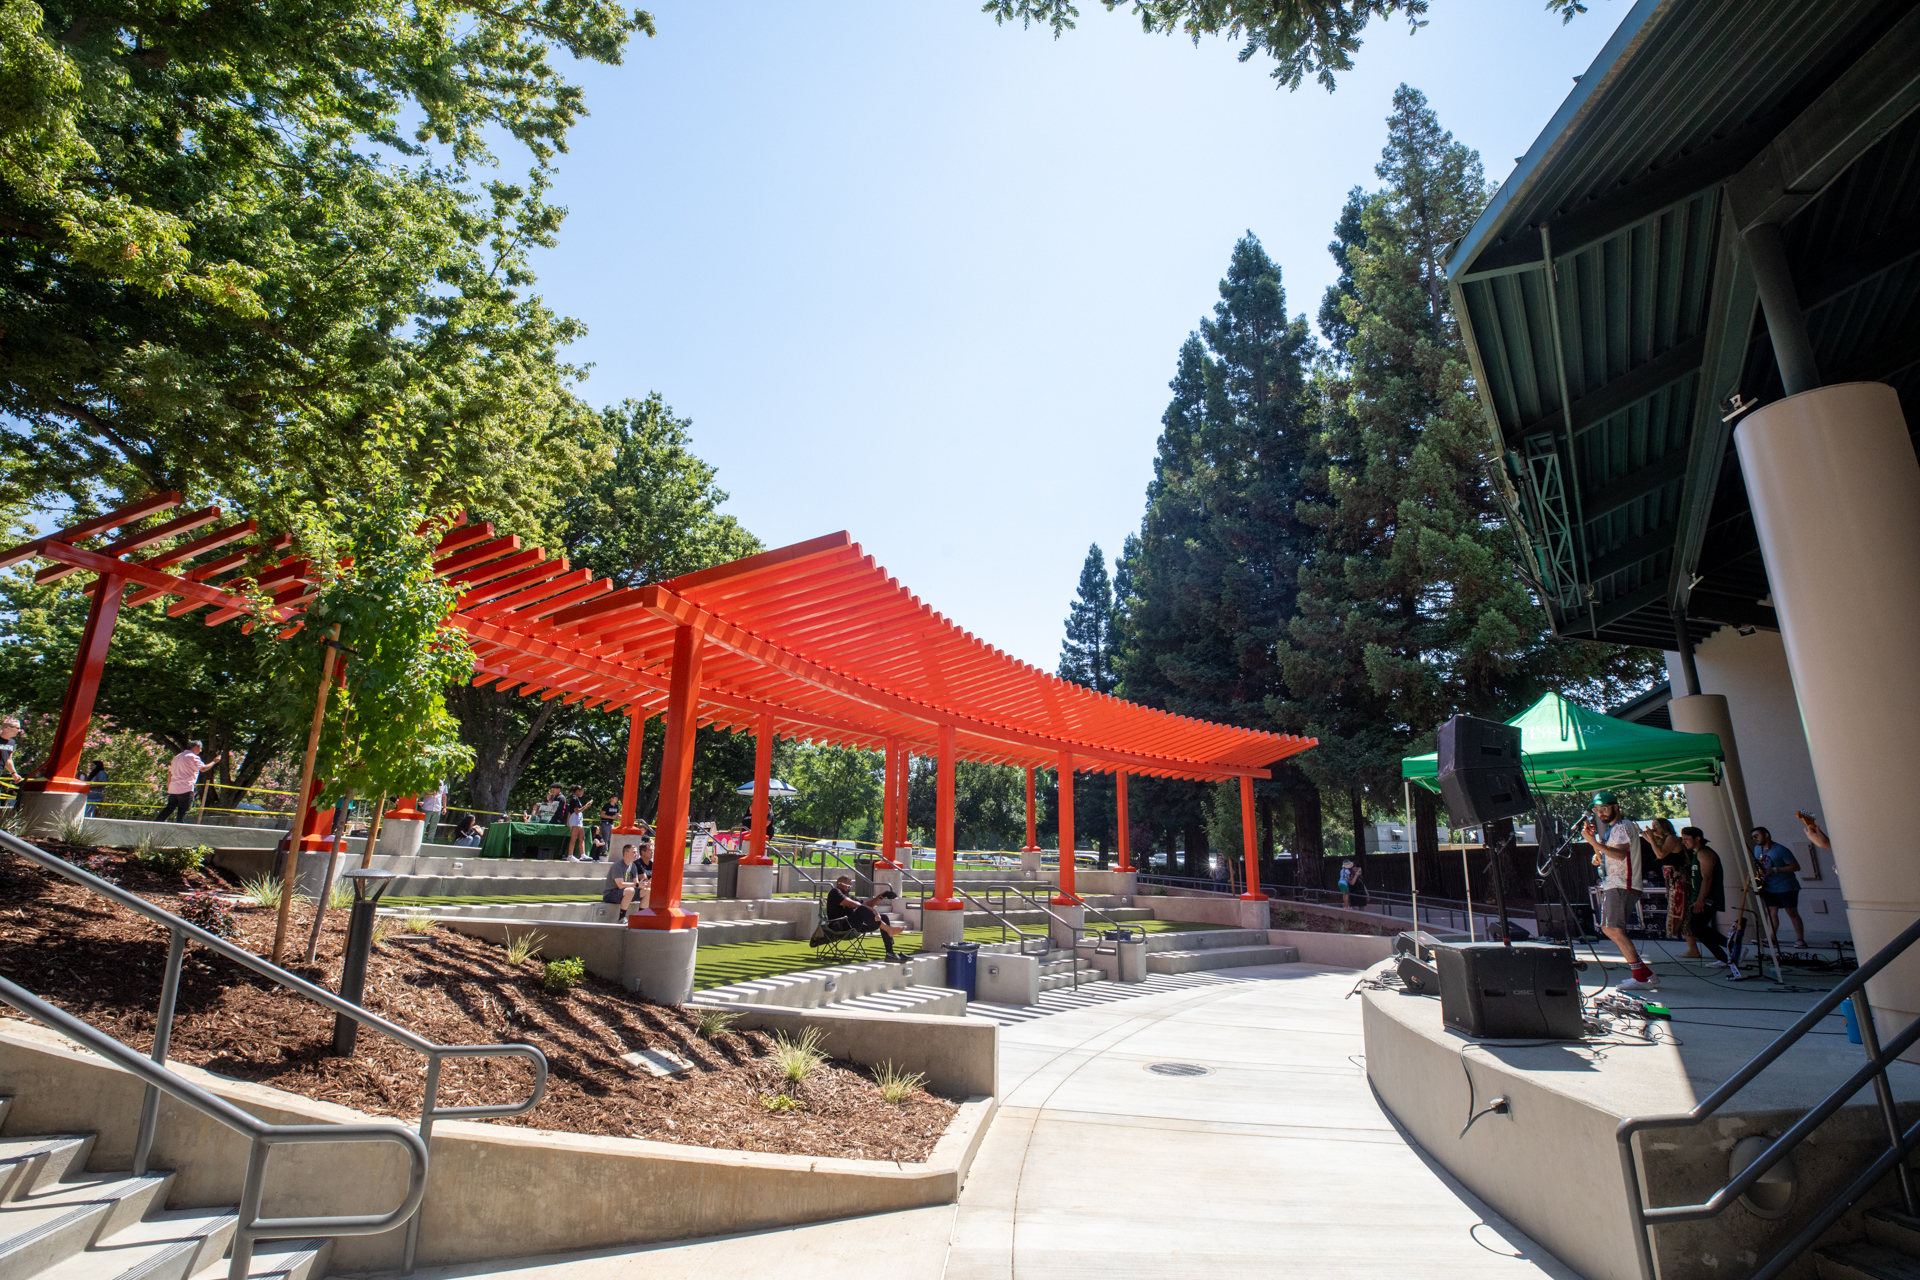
(923, 278)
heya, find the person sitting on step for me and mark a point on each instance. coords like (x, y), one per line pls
(844, 911)
(625, 876)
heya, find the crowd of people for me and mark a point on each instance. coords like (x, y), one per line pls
(1697, 879)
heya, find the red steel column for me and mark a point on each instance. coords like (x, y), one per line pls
(60, 774)
(762, 797)
(630, 792)
(676, 777)
(1066, 895)
(889, 799)
(1120, 808)
(1033, 841)
(943, 899)
(1250, 856)
(900, 806)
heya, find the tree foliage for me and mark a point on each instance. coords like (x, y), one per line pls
(1304, 37)
(1086, 655)
(235, 236)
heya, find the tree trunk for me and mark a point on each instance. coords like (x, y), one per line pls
(1196, 839)
(1309, 842)
(1359, 824)
(501, 744)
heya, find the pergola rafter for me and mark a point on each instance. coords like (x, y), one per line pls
(811, 641)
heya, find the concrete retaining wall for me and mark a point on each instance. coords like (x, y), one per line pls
(960, 1056)
(1340, 950)
(493, 1191)
(1210, 910)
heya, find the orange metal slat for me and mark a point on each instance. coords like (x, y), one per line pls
(542, 590)
(539, 573)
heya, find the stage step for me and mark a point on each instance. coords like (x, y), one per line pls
(1894, 1230)
(1865, 1262)
(1192, 961)
(1204, 940)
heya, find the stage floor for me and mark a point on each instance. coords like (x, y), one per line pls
(1555, 1151)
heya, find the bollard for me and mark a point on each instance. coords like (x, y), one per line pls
(368, 884)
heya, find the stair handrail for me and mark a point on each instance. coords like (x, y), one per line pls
(907, 873)
(1118, 926)
(180, 931)
(1879, 1058)
(262, 1137)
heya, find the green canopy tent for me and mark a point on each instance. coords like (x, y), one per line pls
(1565, 747)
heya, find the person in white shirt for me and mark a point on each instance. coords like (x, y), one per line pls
(432, 805)
(1616, 851)
(183, 774)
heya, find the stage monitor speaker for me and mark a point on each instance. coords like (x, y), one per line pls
(1492, 991)
(1553, 921)
(1419, 978)
(1480, 772)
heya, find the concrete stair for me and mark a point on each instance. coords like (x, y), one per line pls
(1195, 950)
(60, 1222)
(882, 986)
(1058, 969)
(1891, 1251)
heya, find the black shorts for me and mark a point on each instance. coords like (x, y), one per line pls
(611, 895)
(1789, 899)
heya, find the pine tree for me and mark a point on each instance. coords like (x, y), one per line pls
(1409, 609)
(1086, 656)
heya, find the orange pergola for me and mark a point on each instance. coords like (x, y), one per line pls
(811, 641)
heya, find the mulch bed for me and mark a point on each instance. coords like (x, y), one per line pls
(104, 964)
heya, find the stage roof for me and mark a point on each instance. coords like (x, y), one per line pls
(1610, 310)
(1566, 747)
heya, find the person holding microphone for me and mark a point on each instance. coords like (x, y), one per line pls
(1615, 842)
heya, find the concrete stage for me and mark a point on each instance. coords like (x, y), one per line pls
(1551, 1165)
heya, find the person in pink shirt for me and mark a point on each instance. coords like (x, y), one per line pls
(183, 774)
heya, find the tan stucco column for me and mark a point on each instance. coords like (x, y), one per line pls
(1835, 491)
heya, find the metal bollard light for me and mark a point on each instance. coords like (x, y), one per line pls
(368, 884)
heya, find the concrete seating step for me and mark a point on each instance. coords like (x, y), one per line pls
(29, 1164)
(1894, 1230)
(1204, 939)
(1219, 958)
(53, 1222)
(718, 932)
(1055, 981)
(278, 1260)
(169, 1245)
(922, 1000)
(1864, 1261)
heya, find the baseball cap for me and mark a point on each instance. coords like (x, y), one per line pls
(1605, 797)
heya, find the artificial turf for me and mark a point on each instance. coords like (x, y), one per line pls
(717, 966)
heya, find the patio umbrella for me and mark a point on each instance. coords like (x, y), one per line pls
(776, 789)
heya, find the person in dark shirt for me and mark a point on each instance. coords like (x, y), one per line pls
(609, 814)
(96, 781)
(860, 916)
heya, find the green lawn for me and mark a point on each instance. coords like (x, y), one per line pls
(716, 966)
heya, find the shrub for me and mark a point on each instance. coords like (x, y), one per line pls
(523, 948)
(340, 897)
(714, 1022)
(781, 1102)
(1287, 916)
(178, 860)
(798, 1059)
(564, 975)
(261, 891)
(896, 1085)
(77, 830)
(209, 911)
(419, 923)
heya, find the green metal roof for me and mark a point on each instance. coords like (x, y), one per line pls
(1609, 311)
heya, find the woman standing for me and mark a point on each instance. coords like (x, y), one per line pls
(1670, 852)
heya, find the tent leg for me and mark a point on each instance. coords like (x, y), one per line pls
(1746, 870)
(1413, 867)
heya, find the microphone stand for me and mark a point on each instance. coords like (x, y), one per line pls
(1497, 861)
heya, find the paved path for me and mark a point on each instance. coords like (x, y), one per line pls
(1277, 1162)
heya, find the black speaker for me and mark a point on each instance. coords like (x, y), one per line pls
(1480, 774)
(1554, 919)
(1492, 991)
(1422, 979)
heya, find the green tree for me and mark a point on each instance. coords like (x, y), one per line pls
(1304, 37)
(651, 512)
(1085, 654)
(837, 785)
(1409, 609)
(238, 236)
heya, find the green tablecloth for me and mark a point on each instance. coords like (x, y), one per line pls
(508, 839)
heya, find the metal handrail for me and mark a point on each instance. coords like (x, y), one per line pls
(1874, 1070)
(907, 873)
(181, 931)
(261, 1136)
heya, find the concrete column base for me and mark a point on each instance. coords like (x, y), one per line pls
(1255, 914)
(658, 964)
(46, 810)
(1126, 884)
(755, 881)
(1030, 863)
(1008, 979)
(786, 878)
(941, 929)
(1062, 936)
(401, 837)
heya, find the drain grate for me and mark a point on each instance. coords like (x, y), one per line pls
(1179, 1069)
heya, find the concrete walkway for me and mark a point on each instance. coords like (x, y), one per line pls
(1277, 1161)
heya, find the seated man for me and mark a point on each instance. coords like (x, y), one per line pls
(625, 877)
(858, 917)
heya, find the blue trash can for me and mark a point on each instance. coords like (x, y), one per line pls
(963, 967)
(1846, 1011)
